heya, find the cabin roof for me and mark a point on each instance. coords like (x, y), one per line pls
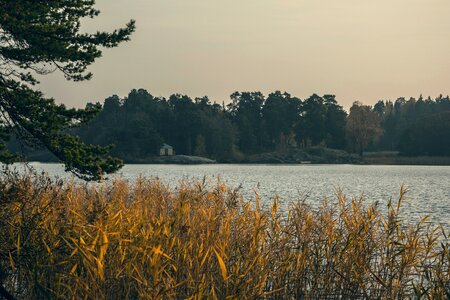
(166, 146)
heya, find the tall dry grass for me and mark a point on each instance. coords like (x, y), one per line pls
(66, 240)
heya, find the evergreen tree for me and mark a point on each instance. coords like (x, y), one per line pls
(246, 113)
(280, 115)
(40, 37)
(314, 116)
(335, 122)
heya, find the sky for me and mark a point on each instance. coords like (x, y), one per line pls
(358, 50)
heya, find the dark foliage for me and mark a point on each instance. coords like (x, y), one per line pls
(39, 37)
(415, 126)
(140, 123)
(253, 124)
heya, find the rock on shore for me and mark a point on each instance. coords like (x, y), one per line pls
(176, 159)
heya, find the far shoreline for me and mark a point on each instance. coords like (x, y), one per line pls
(407, 162)
(307, 156)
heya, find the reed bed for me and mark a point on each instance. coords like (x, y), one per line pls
(66, 240)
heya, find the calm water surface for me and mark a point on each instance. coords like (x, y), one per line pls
(428, 186)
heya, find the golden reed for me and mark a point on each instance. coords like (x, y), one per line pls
(66, 240)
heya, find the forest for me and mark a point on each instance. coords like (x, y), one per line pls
(138, 124)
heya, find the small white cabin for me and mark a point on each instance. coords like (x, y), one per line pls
(166, 150)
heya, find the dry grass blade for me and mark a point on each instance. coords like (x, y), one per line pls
(144, 240)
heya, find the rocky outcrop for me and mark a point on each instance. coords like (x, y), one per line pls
(176, 159)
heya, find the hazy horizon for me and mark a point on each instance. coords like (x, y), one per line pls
(357, 50)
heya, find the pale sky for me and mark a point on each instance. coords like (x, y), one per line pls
(362, 50)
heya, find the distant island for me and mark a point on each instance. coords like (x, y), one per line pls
(312, 155)
(279, 128)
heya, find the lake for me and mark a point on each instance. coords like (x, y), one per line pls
(428, 186)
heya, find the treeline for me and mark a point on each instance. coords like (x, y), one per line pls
(415, 126)
(138, 124)
(253, 123)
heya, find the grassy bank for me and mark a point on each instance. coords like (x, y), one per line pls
(147, 241)
(393, 158)
(315, 155)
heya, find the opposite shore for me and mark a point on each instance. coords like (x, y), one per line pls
(312, 155)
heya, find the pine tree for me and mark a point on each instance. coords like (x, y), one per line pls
(40, 37)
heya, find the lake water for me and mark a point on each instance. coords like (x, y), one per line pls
(428, 186)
